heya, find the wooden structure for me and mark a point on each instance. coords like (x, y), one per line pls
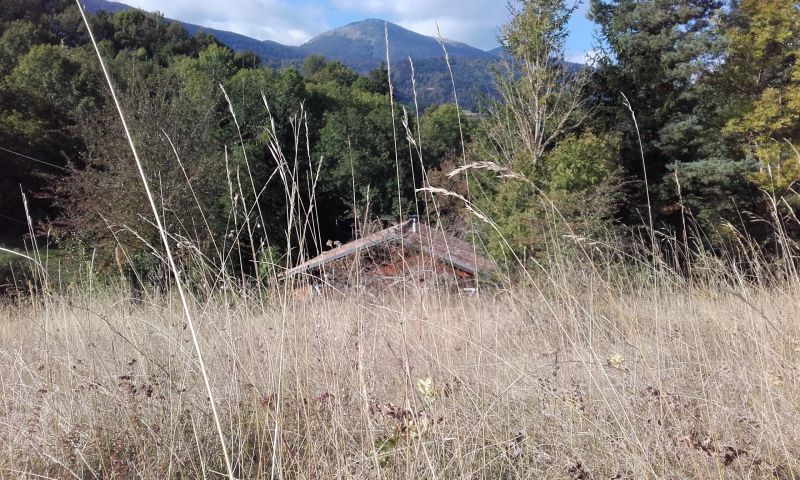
(408, 254)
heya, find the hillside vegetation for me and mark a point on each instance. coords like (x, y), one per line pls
(687, 125)
(361, 46)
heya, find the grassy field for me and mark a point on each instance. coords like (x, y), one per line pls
(569, 379)
(579, 372)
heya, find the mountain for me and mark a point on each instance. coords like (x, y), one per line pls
(498, 52)
(359, 45)
(272, 53)
(362, 45)
(473, 79)
(95, 6)
(269, 51)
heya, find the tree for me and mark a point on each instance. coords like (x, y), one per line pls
(335, 72)
(101, 209)
(378, 80)
(262, 129)
(312, 64)
(45, 82)
(357, 147)
(761, 81)
(152, 34)
(537, 162)
(656, 54)
(37, 11)
(54, 81)
(214, 65)
(17, 39)
(541, 99)
(48, 89)
(440, 132)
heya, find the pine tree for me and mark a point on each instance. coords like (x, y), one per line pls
(656, 54)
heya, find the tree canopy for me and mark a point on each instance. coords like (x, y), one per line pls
(688, 117)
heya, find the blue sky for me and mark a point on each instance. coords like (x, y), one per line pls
(293, 22)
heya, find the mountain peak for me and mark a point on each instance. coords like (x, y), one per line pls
(371, 21)
(363, 28)
(361, 46)
(364, 42)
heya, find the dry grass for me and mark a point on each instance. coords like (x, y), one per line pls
(573, 376)
(576, 382)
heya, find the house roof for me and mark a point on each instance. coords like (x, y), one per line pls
(445, 248)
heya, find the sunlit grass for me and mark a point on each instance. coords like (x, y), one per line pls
(580, 383)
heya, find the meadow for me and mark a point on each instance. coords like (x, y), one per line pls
(573, 376)
(604, 348)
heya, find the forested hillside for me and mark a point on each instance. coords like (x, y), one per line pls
(361, 46)
(687, 126)
(64, 146)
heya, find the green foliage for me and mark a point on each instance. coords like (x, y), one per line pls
(537, 30)
(54, 107)
(101, 206)
(285, 93)
(377, 80)
(541, 174)
(43, 93)
(716, 93)
(42, 88)
(17, 39)
(312, 64)
(433, 85)
(582, 164)
(215, 63)
(36, 11)
(270, 263)
(356, 144)
(541, 100)
(660, 55)
(717, 194)
(55, 80)
(441, 135)
(655, 52)
(576, 193)
(334, 72)
(150, 34)
(761, 73)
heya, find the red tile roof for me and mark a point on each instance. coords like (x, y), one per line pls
(413, 235)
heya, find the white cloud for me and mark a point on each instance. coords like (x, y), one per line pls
(278, 20)
(293, 22)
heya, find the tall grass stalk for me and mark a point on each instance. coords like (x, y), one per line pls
(165, 241)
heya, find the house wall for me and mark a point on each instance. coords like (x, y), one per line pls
(390, 267)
